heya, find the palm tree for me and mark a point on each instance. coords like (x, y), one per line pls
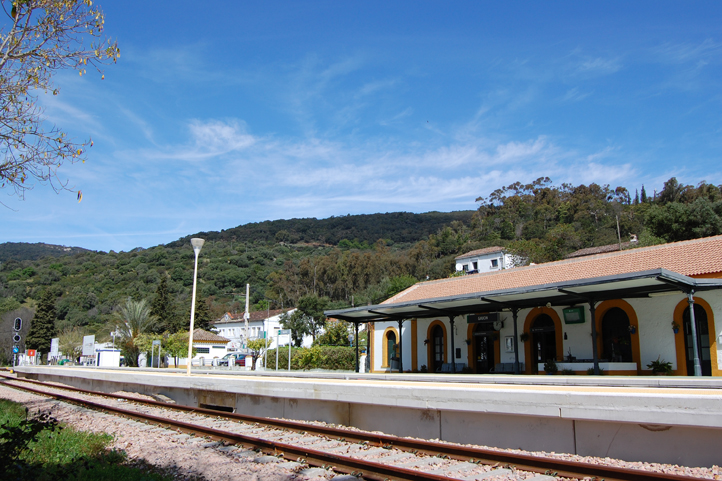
(133, 319)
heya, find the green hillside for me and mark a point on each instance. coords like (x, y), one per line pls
(23, 251)
(350, 260)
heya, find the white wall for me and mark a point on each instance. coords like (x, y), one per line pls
(656, 338)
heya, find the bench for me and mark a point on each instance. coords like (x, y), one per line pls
(446, 367)
(507, 368)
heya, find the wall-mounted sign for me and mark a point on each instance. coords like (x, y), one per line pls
(479, 318)
(574, 315)
(31, 352)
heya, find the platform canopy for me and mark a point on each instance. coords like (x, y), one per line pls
(641, 284)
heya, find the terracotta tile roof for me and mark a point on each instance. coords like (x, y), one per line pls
(254, 316)
(199, 335)
(480, 252)
(599, 250)
(692, 258)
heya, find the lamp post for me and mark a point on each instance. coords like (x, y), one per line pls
(197, 243)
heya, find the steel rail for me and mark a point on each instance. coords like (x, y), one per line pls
(525, 462)
(340, 463)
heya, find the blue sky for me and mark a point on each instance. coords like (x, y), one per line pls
(223, 113)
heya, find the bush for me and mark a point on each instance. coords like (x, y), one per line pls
(41, 449)
(317, 357)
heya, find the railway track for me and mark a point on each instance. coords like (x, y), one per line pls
(438, 461)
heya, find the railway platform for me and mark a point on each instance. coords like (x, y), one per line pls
(655, 419)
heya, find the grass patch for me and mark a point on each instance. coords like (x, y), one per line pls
(39, 448)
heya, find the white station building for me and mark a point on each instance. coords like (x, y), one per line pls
(614, 313)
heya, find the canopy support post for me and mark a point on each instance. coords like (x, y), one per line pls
(453, 351)
(693, 325)
(401, 357)
(514, 315)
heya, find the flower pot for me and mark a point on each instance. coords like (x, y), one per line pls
(675, 330)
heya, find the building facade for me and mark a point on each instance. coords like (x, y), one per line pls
(490, 259)
(616, 312)
(261, 324)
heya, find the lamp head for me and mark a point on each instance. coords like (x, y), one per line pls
(197, 243)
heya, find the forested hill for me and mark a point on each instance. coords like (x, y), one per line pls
(397, 227)
(24, 251)
(350, 260)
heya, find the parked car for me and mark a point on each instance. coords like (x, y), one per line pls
(238, 357)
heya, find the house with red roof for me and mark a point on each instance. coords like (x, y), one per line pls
(613, 312)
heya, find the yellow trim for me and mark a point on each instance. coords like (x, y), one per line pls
(430, 344)
(414, 347)
(470, 361)
(385, 346)
(559, 336)
(370, 339)
(679, 337)
(633, 321)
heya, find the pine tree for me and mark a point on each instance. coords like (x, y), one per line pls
(636, 197)
(42, 327)
(203, 318)
(644, 195)
(162, 309)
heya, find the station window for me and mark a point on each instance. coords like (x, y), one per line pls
(494, 263)
(203, 350)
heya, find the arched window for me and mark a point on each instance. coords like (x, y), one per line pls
(616, 338)
(702, 327)
(544, 343)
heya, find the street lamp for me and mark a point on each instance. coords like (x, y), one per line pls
(197, 243)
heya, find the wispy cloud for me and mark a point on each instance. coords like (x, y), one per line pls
(574, 95)
(686, 52)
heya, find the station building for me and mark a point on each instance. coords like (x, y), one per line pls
(612, 313)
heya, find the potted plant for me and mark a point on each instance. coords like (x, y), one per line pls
(675, 327)
(550, 367)
(468, 342)
(524, 336)
(660, 367)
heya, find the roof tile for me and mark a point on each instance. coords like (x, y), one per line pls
(690, 258)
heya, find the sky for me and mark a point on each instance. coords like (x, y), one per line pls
(223, 113)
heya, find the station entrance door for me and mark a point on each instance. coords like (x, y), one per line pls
(484, 349)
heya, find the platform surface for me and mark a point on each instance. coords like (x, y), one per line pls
(673, 401)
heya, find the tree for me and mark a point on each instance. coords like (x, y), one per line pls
(335, 334)
(144, 343)
(162, 309)
(298, 323)
(203, 317)
(71, 342)
(313, 307)
(176, 345)
(134, 319)
(257, 347)
(43, 36)
(42, 328)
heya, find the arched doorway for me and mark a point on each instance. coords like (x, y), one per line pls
(543, 341)
(390, 349)
(484, 349)
(437, 348)
(616, 337)
(702, 327)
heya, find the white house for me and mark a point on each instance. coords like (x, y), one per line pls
(485, 260)
(208, 346)
(261, 324)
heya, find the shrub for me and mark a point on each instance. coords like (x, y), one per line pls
(316, 357)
